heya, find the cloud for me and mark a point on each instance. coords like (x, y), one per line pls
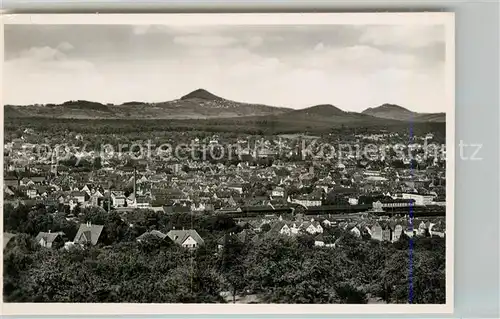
(65, 46)
(255, 41)
(141, 29)
(357, 59)
(353, 68)
(41, 74)
(204, 40)
(412, 36)
(320, 46)
(41, 54)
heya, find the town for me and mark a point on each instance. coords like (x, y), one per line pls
(228, 187)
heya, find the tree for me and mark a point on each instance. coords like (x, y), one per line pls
(15, 218)
(349, 294)
(115, 229)
(94, 215)
(265, 228)
(306, 240)
(98, 162)
(231, 266)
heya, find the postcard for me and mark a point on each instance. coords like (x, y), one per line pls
(228, 163)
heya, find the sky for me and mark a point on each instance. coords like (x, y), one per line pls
(350, 66)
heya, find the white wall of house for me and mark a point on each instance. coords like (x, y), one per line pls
(420, 200)
(398, 230)
(43, 243)
(285, 230)
(190, 243)
(307, 202)
(356, 232)
(311, 229)
(119, 202)
(278, 193)
(31, 193)
(353, 201)
(80, 199)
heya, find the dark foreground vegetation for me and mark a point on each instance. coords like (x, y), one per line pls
(247, 125)
(276, 269)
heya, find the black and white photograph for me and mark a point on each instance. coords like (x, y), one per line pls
(242, 160)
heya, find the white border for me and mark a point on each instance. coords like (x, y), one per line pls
(447, 19)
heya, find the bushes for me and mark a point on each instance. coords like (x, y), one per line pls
(279, 269)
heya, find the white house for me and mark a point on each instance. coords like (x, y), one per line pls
(353, 201)
(319, 241)
(396, 234)
(312, 227)
(278, 192)
(420, 200)
(356, 232)
(307, 202)
(285, 230)
(186, 238)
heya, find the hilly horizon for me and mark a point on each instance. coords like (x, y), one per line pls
(397, 112)
(202, 104)
(198, 104)
(202, 94)
(320, 110)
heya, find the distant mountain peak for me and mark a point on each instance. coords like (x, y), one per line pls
(392, 106)
(396, 112)
(323, 109)
(201, 94)
(387, 107)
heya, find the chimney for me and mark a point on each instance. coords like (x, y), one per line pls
(135, 182)
(49, 231)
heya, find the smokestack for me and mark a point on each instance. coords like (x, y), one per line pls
(135, 182)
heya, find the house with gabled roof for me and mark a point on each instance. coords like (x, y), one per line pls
(26, 182)
(186, 238)
(245, 235)
(86, 189)
(8, 190)
(50, 240)
(386, 231)
(312, 227)
(319, 240)
(356, 231)
(88, 234)
(397, 231)
(155, 233)
(11, 181)
(281, 228)
(96, 198)
(143, 202)
(118, 198)
(376, 232)
(7, 237)
(79, 196)
(31, 191)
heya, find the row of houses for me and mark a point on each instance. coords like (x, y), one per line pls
(89, 234)
(380, 230)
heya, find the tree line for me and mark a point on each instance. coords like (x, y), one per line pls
(274, 268)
